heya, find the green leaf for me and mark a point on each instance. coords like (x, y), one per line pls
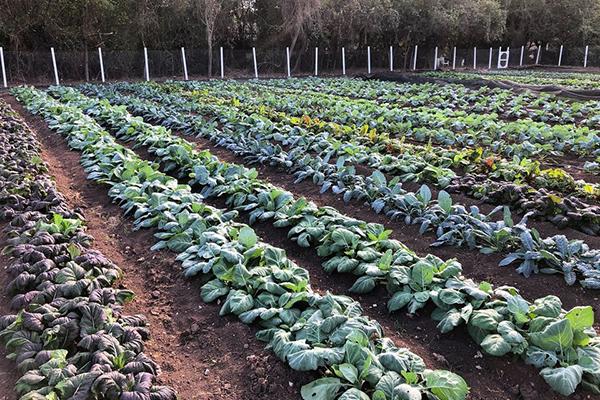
(406, 392)
(354, 394)
(321, 389)
(425, 193)
(509, 332)
(348, 372)
(485, 319)
(548, 306)
(451, 320)
(247, 237)
(581, 317)
(445, 201)
(398, 301)
(364, 284)
(563, 380)
(446, 385)
(556, 336)
(495, 345)
(422, 273)
(212, 290)
(379, 395)
(451, 296)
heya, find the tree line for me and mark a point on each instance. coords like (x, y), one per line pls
(299, 24)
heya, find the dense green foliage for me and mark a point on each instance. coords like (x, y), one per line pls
(80, 24)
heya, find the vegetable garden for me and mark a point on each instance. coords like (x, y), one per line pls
(367, 239)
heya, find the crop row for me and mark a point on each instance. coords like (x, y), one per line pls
(494, 167)
(257, 281)
(69, 337)
(452, 223)
(500, 320)
(503, 103)
(432, 166)
(541, 78)
(521, 137)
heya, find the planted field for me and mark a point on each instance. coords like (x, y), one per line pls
(384, 241)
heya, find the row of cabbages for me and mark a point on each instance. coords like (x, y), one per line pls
(453, 224)
(498, 319)
(288, 107)
(256, 281)
(496, 102)
(550, 194)
(69, 337)
(448, 127)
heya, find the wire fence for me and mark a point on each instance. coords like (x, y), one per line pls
(36, 67)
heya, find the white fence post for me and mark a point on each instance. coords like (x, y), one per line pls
(343, 61)
(490, 58)
(3, 68)
(415, 60)
(585, 57)
(521, 58)
(435, 54)
(222, 63)
(537, 58)
(255, 64)
(391, 59)
(146, 69)
(287, 53)
(185, 71)
(454, 58)
(316, 61)
(474, 57)
(560, 55)
(54, 66)
(101, 65)
(369, 59)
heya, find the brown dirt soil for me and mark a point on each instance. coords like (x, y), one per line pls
(202, 355)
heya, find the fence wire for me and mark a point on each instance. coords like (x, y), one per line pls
(35, 67)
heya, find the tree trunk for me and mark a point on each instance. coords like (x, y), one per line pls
(210, 58)
(87, 63)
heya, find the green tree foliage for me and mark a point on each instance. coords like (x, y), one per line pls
(168, 24)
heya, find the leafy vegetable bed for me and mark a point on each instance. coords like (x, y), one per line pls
(452, 223)
(256, 282)
(69, 337)
(260, 284)
(353, 250)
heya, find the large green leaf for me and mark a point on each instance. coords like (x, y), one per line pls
(446, 385)
(556, 336)
(581, 317)
(422, 273)
(563, 380)
(212, 290)
(321, 389)
(354, 394)
(247, 237)
(495, 345)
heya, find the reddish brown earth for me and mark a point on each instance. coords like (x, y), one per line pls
(188, 337)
